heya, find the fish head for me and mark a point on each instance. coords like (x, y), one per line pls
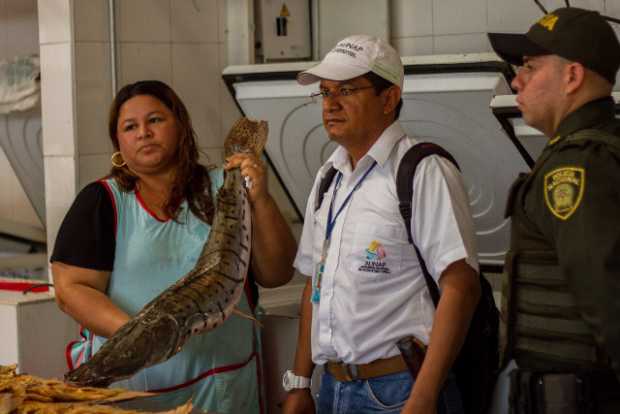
(139, 344)
(246, 136)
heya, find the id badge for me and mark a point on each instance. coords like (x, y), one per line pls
(318, 275)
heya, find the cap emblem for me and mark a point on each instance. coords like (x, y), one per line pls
(548, 21)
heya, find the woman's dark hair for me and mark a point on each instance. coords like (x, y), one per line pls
(191, 181)
(380, 85)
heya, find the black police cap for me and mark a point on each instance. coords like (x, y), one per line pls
(575, 34)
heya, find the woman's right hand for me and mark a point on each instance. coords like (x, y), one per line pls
(80, 293)
(299, 402)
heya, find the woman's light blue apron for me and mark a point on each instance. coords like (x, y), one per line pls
(217, 369)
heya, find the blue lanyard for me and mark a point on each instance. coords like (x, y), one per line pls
(331, 219)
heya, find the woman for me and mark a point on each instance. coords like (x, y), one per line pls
(131, 235)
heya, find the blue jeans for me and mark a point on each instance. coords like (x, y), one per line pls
(386, 394)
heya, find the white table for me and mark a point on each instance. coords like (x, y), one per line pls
(34, 333)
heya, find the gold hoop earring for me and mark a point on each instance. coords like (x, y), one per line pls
(115, 162)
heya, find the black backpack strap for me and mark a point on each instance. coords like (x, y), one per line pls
(404, 188)
(324, 186)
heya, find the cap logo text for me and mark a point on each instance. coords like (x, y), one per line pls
(548, 21)
(349, 45)
(344, 51)
(347, 48)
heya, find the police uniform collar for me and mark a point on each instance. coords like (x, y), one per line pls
(589, 115)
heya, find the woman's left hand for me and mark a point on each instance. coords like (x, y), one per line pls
(254, 169)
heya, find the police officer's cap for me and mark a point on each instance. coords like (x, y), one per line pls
(575, 34)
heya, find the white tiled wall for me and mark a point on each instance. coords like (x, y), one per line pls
(57, 110)
(458, 26)
(456, 17)
(18, 36)
(613, 9)
(60, 190)
(425, 27)
(338, 19)
(415, 45)
(196, 21)
(144, 20)
(196, 78)
(91, 21)
(461, 43)
(180, 42)
(94, 94)
(144, 60)
(56, 15)
(92, 168)
(412, 18)
(57, 99)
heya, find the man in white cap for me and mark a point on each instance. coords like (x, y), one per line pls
(366, 289)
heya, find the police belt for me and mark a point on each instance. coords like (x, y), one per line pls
(554, 393)
(350, 372)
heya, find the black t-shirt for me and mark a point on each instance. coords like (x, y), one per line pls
(87, 237)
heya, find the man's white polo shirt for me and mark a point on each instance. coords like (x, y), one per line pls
(372, 290)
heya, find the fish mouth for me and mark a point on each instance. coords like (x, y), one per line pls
(81, 378)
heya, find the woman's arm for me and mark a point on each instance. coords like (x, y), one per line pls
(80, 293)
(82, 261)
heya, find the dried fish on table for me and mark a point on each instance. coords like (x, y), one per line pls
(26, 394)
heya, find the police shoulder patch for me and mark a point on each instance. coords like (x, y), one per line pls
(563, 190)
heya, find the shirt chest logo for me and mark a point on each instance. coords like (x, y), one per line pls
(564, 190)
(375, 259)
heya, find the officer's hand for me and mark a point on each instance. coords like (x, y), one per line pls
(299, 402)
(255, 171)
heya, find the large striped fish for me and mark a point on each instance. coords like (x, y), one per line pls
(202, 299)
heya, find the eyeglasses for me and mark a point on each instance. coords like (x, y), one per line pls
(342, 91)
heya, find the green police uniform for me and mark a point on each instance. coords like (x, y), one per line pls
(563, 288)
(561, 302)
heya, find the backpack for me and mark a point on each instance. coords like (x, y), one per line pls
(477, 363)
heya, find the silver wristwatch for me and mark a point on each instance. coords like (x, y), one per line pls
(291, 381)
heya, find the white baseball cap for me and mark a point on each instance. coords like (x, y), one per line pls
(355, 56)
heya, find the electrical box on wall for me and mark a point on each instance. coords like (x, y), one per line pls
(283, 30)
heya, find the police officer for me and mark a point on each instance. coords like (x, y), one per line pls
(562, 296)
